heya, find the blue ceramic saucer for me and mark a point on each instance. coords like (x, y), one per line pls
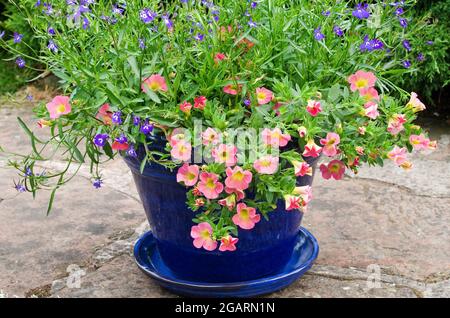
(149, 261)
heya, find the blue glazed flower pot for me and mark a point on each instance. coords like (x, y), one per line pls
(261, 251)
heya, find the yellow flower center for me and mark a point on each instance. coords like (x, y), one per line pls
(190, 176)
(154, 86)
(205, 234)
(238, 176)
(261, 95)
(244, 214)
(61, 108)
(210, 183)
(361, 83)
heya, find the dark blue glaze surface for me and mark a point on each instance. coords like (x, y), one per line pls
(261, 251)
(149, 260)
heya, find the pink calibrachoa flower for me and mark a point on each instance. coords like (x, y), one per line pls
(240, 194)
(210, 136)
(312, 150)
(238, 178)
(232, 89)
(359, 150)
(314, 107)
(432, 145)
(275, 137)
(200, 102)
(302, 168)
(302, 132)
(174, 138)
(228, 243)
(266, 165)
(276, 108)
(398, 155)
(370, 94)
(246, 217)
(43, 123)
(59, 106)
(219, 57)
(196, 192)
(335, 169)
(186, 107)
(209, 185)
(362, 130)
(225, 154)
(155, 83)
(395, 124)
(199, 202)
(181, 151)
(104, 114)
(419, 142)
(229, 202)
(362, 80)
(293, 202)
(188, 174)
(330, 144)
(202, 235)
(415, 104)
(305, 192)
(371, 110)
(263, 95)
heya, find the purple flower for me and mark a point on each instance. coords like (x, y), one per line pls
(122, 139)
(52, 46)
(131, 152)
(146, 128)
(361, 11)
(17, 37)
(85, 23)
(147, 16)
(326, 13)
(167, 21)
(100, 139)
(318, 35)
(421, 57)
(247, 102)
(430, 42)
(406, 64)
(20, 62)
(117, 10)
(254, 4)
(51, 31)
(370, 45)
(338, 31)
(141, 42)
(20, 187)
(136, 120)
(30, 97)
(403, 22)
(406, 45)
(399, 11)
(28, 172)
(117, 118)
(199, 37)
(252, 23)
(97, 183)
(2, 34)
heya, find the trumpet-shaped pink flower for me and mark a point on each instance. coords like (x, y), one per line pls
(419, 142)
(228, 243)
(181, 151)
(302, 169)
(292, 202)
(59, 106)
(361, 80)
(275, 137)
(155, 83)
(395, 124)
(263, 95)
(232, 89)
(335, 169)
(312, 150)
(238, 178)
(266, 165)
(246, 217)
(359, 150)
(229, 202)
(225, 154)
(398, 155)
(104, 114)
(305, 192)
(188, 174)
(43, 123)
(186, 107)
(209, 185)
(210, 136)
(370, 94)
(371, 110)
(200, 102)
(219, 57)
(239, 194)
(199, 202)
(362, 130)
(415, 104)
(330, 144)
(302, 132)
(314, 107)
(202, 235)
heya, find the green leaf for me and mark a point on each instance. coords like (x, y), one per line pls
(153, 96)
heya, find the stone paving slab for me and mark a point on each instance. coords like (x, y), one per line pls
(377, 220)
